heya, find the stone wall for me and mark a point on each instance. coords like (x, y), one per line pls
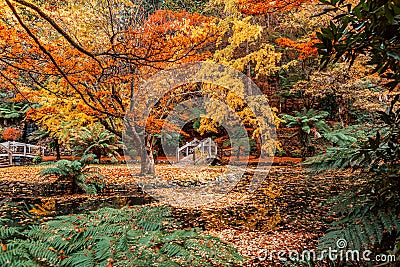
(17, 189)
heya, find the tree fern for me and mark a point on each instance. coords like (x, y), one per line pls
(8, 232)
(94, 139)
(309, 124)
(78, 172)
(345, 150)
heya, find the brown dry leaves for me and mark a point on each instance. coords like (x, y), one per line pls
(287, 212)
(23, 174)
(255, 244)
(118, 174)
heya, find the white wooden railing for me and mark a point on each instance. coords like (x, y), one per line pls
(199, 150)
(6, 153)
(16, 149)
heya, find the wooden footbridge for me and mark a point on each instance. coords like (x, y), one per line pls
(12, 153)
(197, 152)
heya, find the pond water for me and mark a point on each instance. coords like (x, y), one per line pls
(32, 210)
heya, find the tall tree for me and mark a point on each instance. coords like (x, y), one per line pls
(50, 46)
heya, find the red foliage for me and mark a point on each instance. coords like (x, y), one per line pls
(260, 7)
(11, 134)
(305, 50)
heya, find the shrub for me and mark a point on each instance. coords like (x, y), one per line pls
(11, 134)
(96, 140)
(309, 125)
(369, 215)
(37, 160)
(78, 173)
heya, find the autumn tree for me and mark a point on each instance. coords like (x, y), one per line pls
(254, 35)
(240, 46)
(99, 76)
(348, 94)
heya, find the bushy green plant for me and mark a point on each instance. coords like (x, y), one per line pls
(342, 145)
(114, 237)
(13, 110)
(310, 125)
(371, 211)
(78, 172)
(369, 27)
(96, 140)
(37, 160)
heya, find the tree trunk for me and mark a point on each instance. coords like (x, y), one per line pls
(57, 147)
(74, 186)
(97, 152)
(146, 162)
(145, 150)
(150, 168)
(258, 146)
(304, 146)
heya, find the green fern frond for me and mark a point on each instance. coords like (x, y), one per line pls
(362, 232)
(131, 237)
(8, 232)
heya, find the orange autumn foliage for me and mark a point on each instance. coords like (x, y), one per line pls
(11, 134)
(305, 49)
(99, 82)
(259, 7)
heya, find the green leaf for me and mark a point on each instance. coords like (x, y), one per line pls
(306, 129)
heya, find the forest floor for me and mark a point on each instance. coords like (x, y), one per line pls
(251, 159)
(287, 212)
